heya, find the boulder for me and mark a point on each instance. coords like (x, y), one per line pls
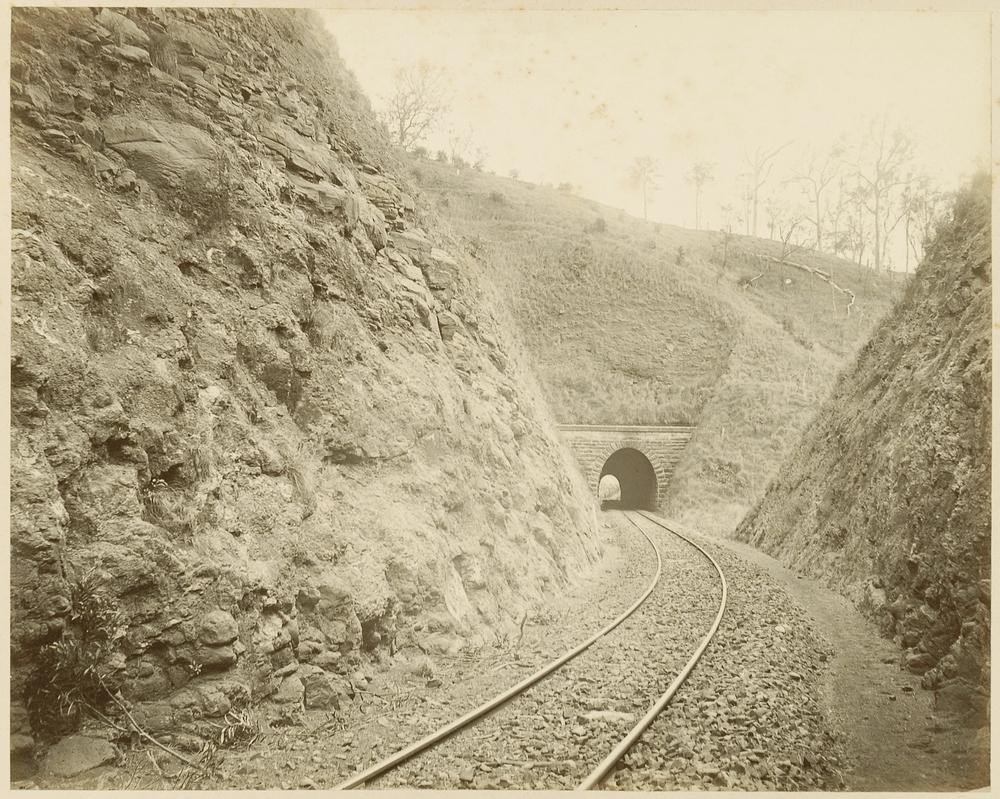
(324, 691)
(214, 658)
(164, 153)
(122, 29)
(127, 52)
(411, 242)
(77, 754)
(217, 627)
(290, 691)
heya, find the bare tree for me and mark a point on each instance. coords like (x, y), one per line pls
(814, 176)
(791, 243)
(879, 168)
(774, 210)
(416, 104)
(760, 165)
(923, 207)
(746, 197)
(858, 234)
(460, 147)
(837, 239)
(784, 219)
(730, 214)
(700, 174)
(644, 175)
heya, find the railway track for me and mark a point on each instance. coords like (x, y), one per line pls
(607, 764)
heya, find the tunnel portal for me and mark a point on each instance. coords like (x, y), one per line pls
(636, 477)
(602, 450)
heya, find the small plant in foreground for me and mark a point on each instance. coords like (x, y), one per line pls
(75, 672)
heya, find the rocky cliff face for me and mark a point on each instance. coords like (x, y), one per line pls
(267, 426)
(888, 494)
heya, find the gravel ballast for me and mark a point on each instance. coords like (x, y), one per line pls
(559, 730)
(749, 717)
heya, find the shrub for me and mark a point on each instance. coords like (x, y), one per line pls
(497, 197)
(681, 258)
(597, 226)
(75, 672)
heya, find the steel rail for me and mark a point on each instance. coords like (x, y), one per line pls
(629, 740)
(449, 729)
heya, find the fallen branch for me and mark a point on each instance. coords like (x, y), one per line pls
(104, 718)
(371, 693)
(818, 273)
(520, 634)
(150, 738)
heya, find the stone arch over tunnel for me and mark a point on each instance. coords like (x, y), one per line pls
(636, 477)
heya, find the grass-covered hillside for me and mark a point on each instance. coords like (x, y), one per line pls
(636, 322)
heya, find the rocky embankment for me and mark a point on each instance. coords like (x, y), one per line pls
(267, 427)
(887, 498)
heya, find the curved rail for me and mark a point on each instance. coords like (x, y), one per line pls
(627, 742)
(449, 729)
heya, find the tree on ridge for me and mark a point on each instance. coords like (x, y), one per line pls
(644, 175)
(416, 104)
(700, 174)
(760, 164)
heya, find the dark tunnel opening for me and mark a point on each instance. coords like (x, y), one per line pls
(636, 477)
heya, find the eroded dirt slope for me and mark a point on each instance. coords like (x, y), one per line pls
(887, 497)
(261, 408)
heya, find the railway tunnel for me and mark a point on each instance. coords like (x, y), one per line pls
(636, 479)
(641, 460)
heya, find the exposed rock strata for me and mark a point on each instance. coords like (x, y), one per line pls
(888, 496)
(254, 386)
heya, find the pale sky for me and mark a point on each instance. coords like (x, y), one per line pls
(575, 96)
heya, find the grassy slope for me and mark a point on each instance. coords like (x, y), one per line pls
(623, 333)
